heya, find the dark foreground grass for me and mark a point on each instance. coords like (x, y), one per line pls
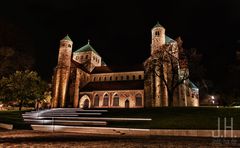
(178, 118)
(162, 118)
(15, 118)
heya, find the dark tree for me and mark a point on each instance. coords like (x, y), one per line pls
(23, 87)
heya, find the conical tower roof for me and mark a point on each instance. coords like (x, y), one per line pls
(67, 38)
(157, 25)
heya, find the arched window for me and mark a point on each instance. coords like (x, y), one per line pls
(116, 100)
(127, 77)
(99, 78)
(157, 33)
(133, 77)
(139, 77)
(105, 78)
(94, 78)
(105, 100)
(69, 45)
(138, 98)
(116, 78)
(110, 78)
(121, 77)
(96, 100)
(86, 56)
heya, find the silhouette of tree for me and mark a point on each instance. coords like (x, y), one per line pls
(23, 87)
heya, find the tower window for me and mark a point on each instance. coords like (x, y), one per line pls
(69, 45)
(86, 56)
(139, 77)
(157, 33)
(133, 77)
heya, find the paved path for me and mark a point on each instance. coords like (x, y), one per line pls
(32, 139)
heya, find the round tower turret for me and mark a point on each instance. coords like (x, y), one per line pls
(62, 73)
(158, 37)
(65, 52)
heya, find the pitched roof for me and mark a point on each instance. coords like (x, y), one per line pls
(101, 69)
(85, 48)
(67, 38)
(192, 85)
(114, 85)
(157, 25)
(168, 39)
(110, 69)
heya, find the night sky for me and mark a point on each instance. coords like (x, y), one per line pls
(120, 30)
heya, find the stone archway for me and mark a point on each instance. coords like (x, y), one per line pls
(127, 104)
(85, 102)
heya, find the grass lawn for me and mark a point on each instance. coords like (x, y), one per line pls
(14, 117)
(162, 118)
(178, 118)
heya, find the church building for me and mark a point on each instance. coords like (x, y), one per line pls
(83, 80)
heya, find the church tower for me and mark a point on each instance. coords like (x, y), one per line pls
(159, 89)
(158, 37)
(62, 72)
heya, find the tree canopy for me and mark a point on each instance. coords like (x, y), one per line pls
(23, 87)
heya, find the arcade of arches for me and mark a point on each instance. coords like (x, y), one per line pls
(110, 99)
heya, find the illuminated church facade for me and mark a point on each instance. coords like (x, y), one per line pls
(82, 80)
